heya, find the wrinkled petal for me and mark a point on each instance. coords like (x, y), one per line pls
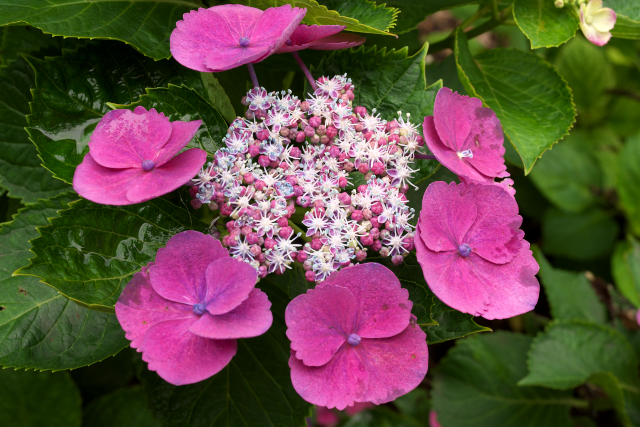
(320, 37)
(104, 185)
(276, 25)
(181, 134)
(181, 357)
(396, 365)
(448, 212)
(337, 384)
(486, 142)
(123, 138)
(229, 282)
(139, 307)
(481, 288)
(495, 233)
(454, 115)
(168, 177)
(383, 305)
(250, 319)
(337, 41)
(179, 272)
(319, 322)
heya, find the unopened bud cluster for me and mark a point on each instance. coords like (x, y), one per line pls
(290, 161)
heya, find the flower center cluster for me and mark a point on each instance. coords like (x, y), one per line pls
(464, 250)
(147, 165)
(290, 157)
(354, 340)
(244, 41)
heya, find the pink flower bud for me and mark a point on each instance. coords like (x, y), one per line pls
(195, 203)
(348, 166)
(262, 271)
(314, 139)
(322, 129)
(285, 232)
(361, 255)
(301, 136)
(248, 178)
(394, 138)
(342, 182)
(226, 210)
(302, 256)
(332, 132)
(264, 161)
(361, 111)
(255, 250)
(254, 150)
(377, 208)
(193, 191)
(304, 105)
(334, 151)
(260, 184)
(363, 168)
(324, 139)
(269, 243)
(310, 276)
(378, 168)
(315, 121)
(362, 188)
(316, 244)
(366, 240)
(356, 215)
(367, 214)
(252, 238)
(282, 222)
(397, 259)
(262, 134)
(295, 152)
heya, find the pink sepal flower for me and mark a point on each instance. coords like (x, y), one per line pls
(320, 37)
(465, 137)
(472, 251)
(596, 22)
(185, 311)
(325, 417)
(354, 339)
(224, 37)
(131, 158)
(433, 419)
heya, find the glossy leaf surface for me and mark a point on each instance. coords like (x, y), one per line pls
(40, 328)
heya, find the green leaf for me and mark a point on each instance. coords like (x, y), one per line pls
(72, 92)
(145, 25)
(581, 352)
(218, 97)
(527, 94)
(567, 175)
(40, 328)
(125, 407)
(413, 12)
(628, 184)
(615, 390)
(387, 81)
(318, 14)
(16, 39)
(475, 386)
(626, 28)
(625, 269)
(543, 23)
(628, 8)
(365, 12)
(589, 89)
(292, 282)
(20, 170)
(184, 104)
(570, 294)
(91, 251)
(253, 390)
(452, 324)
(583, 236)
(39, 399)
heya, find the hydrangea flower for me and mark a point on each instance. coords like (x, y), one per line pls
(596, 22)
(131, 158)
(354, 339)
(433, 419)
(185, 311)
(472, 251)
(320, 37)
(224, 37)
(465, 137)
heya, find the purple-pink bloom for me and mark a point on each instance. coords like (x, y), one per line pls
(320, 37)
(131, 158)
(354, 339)
(224, 37)
(472, 252)
(185, 311)
(465, 137)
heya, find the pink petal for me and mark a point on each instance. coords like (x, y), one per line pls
(168, 177)
(139, 307)
(396, 365)
(454, 115)
(276, 25)
(319, 322)
(486, 142)
(433, 419)
(481, 288)
(445, 155)
(303, 35)
(181, 134)
(206, 30)
(383, 305)
(325, 417)
(229, 282)
(448, 212)
(337, 42)
(179, 272)
(123, 138)
(103, 185)
(181, 357)
(358, 407)
(495, 233)
(337, 384)
(229, 58)
(250, 319)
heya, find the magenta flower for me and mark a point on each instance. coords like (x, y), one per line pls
(224, 37)
(472, 251)
(354, 339)
(185, 311)
(323, 37)
(465, 137)
(131, 158)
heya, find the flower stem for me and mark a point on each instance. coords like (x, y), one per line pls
(418, 155)
(252, 73)
(305, 70)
